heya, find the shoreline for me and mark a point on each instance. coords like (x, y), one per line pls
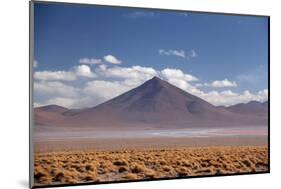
(147, 143)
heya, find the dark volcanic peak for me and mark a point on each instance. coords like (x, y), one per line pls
(155, 95)
(156, 78)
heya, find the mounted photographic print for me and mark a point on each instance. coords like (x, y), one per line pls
(121, 94)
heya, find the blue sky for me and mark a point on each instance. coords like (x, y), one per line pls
(215, 46)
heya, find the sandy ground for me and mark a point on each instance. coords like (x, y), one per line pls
(147, 143)
(71, 160)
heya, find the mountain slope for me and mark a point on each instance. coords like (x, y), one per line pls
(250, 108)
(154, 104)
(48, 115)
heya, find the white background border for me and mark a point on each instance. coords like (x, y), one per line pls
(14, 94)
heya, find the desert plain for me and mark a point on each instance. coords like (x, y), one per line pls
(100, 160)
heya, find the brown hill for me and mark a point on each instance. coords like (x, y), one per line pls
(48, 115)
(250, 108)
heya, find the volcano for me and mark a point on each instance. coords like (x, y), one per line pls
(156, 104)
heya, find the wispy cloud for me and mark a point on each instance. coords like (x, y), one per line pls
(185, 14)
(253, 77)
(223, 83)
(90, 61)
(35, 64)
(106, 59)
(193, 54)
(219, 84)
(141, 14)
(71, 75)
(179, 53)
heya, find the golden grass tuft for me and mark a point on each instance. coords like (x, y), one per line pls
(122, 169)
(137, 168)
(149, 173)
(102, 166)
(167, 168)
(120, 162)
(130, 176)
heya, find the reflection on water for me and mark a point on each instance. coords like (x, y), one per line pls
(192, 132)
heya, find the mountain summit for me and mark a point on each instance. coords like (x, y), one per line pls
(156, 104)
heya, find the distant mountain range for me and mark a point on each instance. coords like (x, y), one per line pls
(156, 104)
(250, 108)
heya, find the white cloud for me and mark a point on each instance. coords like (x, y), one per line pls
(179, 53)
(54, 89)
(219, 84)
(90, 61)
(65, 102)
(93, 61)
(255, 76)
(184, 85)
(223, 83)
(77, 71)
(176, 73)
(105, 82)
(112, 59)
(134, 72)
(102, 67)
(35, 64)
(193, 54)
(54, 75)
(228, 97)
(84, 71)
(228, 93)
(105, 90)
(263, 93)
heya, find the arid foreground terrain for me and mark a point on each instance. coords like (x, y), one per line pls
(101, 166)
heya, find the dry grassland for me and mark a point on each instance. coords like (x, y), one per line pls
(102, 166)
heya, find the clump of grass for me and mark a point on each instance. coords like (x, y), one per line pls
(59, 176)
(91, 176)
(150, 173)
(206, 171)
(204, 164)
(96, 166)
(219, 172)
(166, 168)
(130, 176)
(182, 172)
(162, 162)
(122, 169)
(39, 173)
(186, 163)
(89, 167)
(137, 168)
(120, 162)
